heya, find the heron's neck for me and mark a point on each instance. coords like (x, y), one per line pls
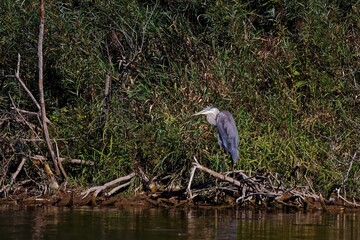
(211, 118)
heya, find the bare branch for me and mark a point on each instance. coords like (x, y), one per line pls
(115, 189)
(217, 175)
(17, 75)
(188, 189)
(60, 164)
(353, 204)
(98, 189)
(77, 161)
(41, 89)
(65, 160)
(14, 175)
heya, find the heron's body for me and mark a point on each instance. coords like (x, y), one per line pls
(227, 133)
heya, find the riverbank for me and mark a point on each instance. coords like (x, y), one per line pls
(74, 197)
(104, 97)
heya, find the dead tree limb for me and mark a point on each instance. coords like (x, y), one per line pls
(217, 175)
(65, 160)
(115, 189)
(14, 175)
(60, 163)
(352, 204)
(41, 89)
(98, 189)
(17, 75)
(188, 189)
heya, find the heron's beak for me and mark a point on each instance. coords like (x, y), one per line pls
(199, 113)
(204, 111)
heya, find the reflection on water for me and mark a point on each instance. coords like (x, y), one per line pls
(137, 223)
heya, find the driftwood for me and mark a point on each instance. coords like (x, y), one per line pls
(98, 189)
(255, 189)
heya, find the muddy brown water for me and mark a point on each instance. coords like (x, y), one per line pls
(154, 223)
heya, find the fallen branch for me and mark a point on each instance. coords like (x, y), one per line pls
(65, 160)
(77, 161)
(14, 175)
(353, 204)
(188, 189)
(115, 189)
(98, 189)
(257, 189)
(217, 175)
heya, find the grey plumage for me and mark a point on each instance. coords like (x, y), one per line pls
(227, 133)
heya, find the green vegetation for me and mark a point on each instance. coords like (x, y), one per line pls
(289, 71)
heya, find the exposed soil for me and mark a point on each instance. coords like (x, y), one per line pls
(74, 197)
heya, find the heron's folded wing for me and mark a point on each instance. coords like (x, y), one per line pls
(227, 130)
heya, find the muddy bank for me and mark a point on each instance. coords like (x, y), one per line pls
(221, 190)
(70, 197)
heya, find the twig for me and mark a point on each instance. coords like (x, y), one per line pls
(349, 169)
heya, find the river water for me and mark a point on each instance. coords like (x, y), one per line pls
(140, 223)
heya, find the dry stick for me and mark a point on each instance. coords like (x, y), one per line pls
(217, 175)
(17, 75)
(253, 194)
(105, 108)
(188, 190)
(30, 125)
(14, 175)
(115, 189)
(77, 161)
(106, 104)
(98, 189)
(65, 160)
(60, 163)
(41, 89)
(18, 170)
(348, 171)
(354, 204)
(226, 178)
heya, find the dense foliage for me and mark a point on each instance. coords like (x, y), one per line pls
(289, 71)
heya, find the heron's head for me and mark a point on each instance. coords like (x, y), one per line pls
(210, 112)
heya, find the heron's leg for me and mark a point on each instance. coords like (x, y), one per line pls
(222, 167)
(233, 171)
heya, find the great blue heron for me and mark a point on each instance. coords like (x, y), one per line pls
(227, 133)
